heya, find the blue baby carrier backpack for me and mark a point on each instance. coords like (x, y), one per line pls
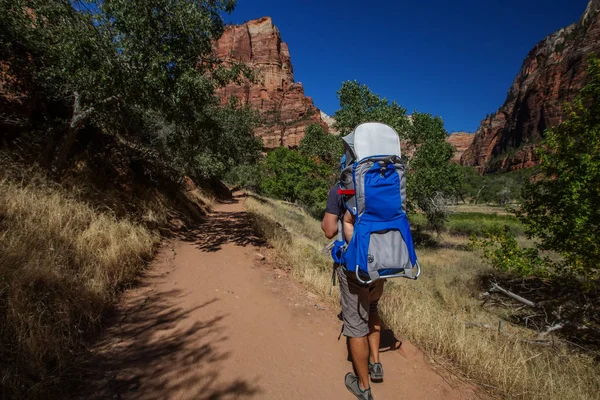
(373, 187)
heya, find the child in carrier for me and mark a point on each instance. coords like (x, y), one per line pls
(348, 225)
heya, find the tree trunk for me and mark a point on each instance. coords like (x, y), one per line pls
(78, 119)
(478, 194)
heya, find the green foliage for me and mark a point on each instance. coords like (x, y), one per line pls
(503, 253)
(292, 177)
(247, 176)
(502, 188)
(303, 176)
(562, 208)
(474, 223)
(220, 140)
(130, 67)
(431, 179)
(358, 104)
(322, 146)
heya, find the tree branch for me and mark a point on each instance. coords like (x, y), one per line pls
(496, 288)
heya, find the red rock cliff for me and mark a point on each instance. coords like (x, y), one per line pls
(461, 142)
(280, 100)
(553, 73)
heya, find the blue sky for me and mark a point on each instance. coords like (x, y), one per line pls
(456, 59)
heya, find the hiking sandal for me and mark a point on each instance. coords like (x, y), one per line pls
(376, 372)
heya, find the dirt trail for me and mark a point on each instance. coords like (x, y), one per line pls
(211, 322)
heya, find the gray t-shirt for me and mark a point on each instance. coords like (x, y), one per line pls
(335, 203)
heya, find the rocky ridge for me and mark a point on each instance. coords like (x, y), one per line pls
(553, 73)
(280, 100)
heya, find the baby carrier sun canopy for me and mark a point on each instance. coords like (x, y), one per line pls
(371, 139)
(373, 184)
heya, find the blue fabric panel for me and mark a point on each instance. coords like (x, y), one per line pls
(349, 257)
(336, 251)
(382, 194)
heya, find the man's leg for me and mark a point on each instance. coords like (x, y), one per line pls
(359, 347)
(375, 293)
(374, 337)
(355, 313)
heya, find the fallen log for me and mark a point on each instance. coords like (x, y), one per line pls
(496, 288)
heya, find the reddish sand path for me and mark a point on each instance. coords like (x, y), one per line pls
(210, 322)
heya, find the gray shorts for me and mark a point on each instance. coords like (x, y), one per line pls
(358, 302)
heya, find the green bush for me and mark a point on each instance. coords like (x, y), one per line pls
(322, 146)
(503, 253)
(292, 177)
(246, 176)
(115, 67)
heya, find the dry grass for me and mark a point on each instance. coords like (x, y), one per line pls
(432, 313)
(62, 264)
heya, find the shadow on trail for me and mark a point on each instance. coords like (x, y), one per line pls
(156, 350)
(225, 227)
(388, 342)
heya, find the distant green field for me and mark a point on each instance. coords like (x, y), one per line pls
(474, 223)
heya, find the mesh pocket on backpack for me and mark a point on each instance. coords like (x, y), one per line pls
(387, 250)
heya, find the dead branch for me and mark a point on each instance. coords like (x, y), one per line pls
(78, 119)
(550, 329)
(496, 288)
(478, 324)
(478, 193)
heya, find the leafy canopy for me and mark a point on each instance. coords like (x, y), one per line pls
(321, 146)
(290, 176)
(358, 104)
(134, 67)
(431, 179)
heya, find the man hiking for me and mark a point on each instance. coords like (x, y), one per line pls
(368, 206)
(362, 325)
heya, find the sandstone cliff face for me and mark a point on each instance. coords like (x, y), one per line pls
(461, 142)
(329, 121)
(280, 100)
(553, 73)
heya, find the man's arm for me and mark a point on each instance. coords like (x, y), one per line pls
(330, 225)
